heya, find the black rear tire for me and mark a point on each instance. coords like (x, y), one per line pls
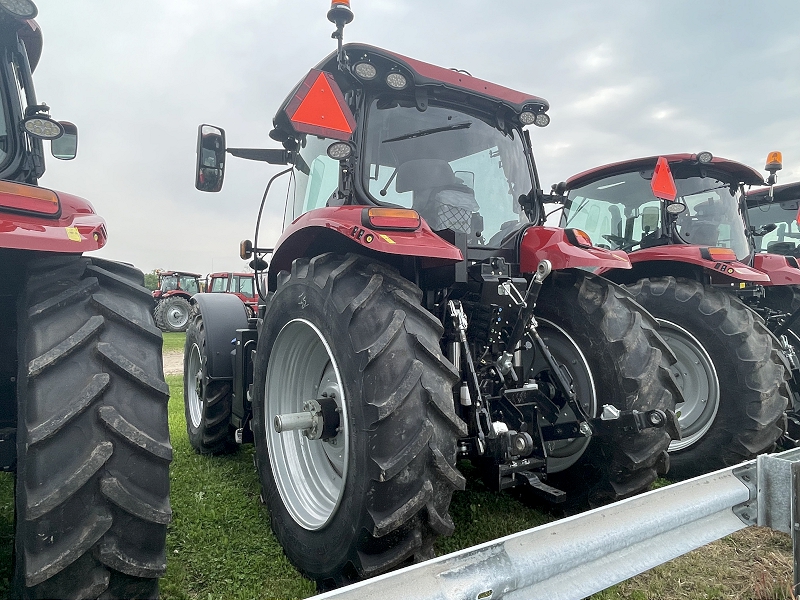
(629, 364)
(172, 314)
(93, 451)
(747, 368)
(207, 402)
(400, 428)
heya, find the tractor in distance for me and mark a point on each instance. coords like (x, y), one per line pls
(243, 285)
(175, 289)
(413, 313)
(83, 402)
(682, 220)
(773, 214)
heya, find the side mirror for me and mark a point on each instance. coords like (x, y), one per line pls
(66, 146)
(210, 158)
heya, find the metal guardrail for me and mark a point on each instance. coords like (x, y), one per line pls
(583, 554)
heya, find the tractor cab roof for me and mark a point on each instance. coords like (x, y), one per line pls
(178, 273)
(788, 192)
(742, 173)
(422, 80)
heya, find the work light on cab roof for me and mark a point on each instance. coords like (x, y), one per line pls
(19, 9)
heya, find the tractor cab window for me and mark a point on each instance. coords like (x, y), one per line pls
(620, 212)
(189, 285)
(316, 177)
(169, 283)
(219, 284)
(785, 238)
(245, 286)
(713, 216)
(455, 169)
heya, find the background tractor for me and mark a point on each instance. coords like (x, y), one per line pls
(242, 285)
(415, 313)
(175, 289)
(682, 218)
(83, 402)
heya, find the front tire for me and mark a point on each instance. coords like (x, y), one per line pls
(376, 494)
(731, 371)
(614, 356)
(207, 402)
(93, 451)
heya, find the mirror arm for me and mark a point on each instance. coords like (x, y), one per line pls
(273, 157)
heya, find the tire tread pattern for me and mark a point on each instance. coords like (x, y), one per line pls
(93, 438)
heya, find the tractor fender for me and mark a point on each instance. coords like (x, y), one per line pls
(344, 229)
(782, 270)
(553, 244)
(75, 229)
(693, 255)
(222, 314)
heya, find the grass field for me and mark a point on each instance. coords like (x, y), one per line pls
(219, 544)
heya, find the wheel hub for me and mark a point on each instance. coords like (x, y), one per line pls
(309, 456)
(697, 379)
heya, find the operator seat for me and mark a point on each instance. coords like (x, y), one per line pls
(438, 196)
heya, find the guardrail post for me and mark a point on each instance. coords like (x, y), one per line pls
(796, 526)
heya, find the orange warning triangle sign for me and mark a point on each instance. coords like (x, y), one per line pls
(663, 184)
(322, 110)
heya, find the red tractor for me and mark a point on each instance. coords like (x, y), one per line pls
(175, 290)
(83, 403)
(242, 285)
(683, 220)
(773, 215)
(414, 313)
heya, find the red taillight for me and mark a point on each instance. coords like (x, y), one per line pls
(718, 254)
(391, 218)
(578, 237)
(29, 198)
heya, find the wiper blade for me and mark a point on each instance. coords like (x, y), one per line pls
(423, 132)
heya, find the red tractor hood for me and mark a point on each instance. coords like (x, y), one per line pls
(76, 228)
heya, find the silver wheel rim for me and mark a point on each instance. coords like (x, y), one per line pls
(563, 454)
(697, 379)
(310, 474)
(194, 386)
(177, 316)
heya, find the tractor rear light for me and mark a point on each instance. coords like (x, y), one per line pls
(578, 237)
(396, 81)
(29, 198)
(21, 9)
(365, 71)
(542, 120)
(718, 254)
(43, 127)
(527, 117)
(391, 218)
(705, 157)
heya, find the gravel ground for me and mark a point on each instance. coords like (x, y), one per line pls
(173, 363)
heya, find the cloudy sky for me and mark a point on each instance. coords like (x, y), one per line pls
(623, 78)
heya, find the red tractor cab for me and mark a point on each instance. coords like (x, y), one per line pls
(414, 313)
(682, 219)
(83, 402)
(241, 285)
(175, 290)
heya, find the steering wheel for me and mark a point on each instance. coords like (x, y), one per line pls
(621, 243)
